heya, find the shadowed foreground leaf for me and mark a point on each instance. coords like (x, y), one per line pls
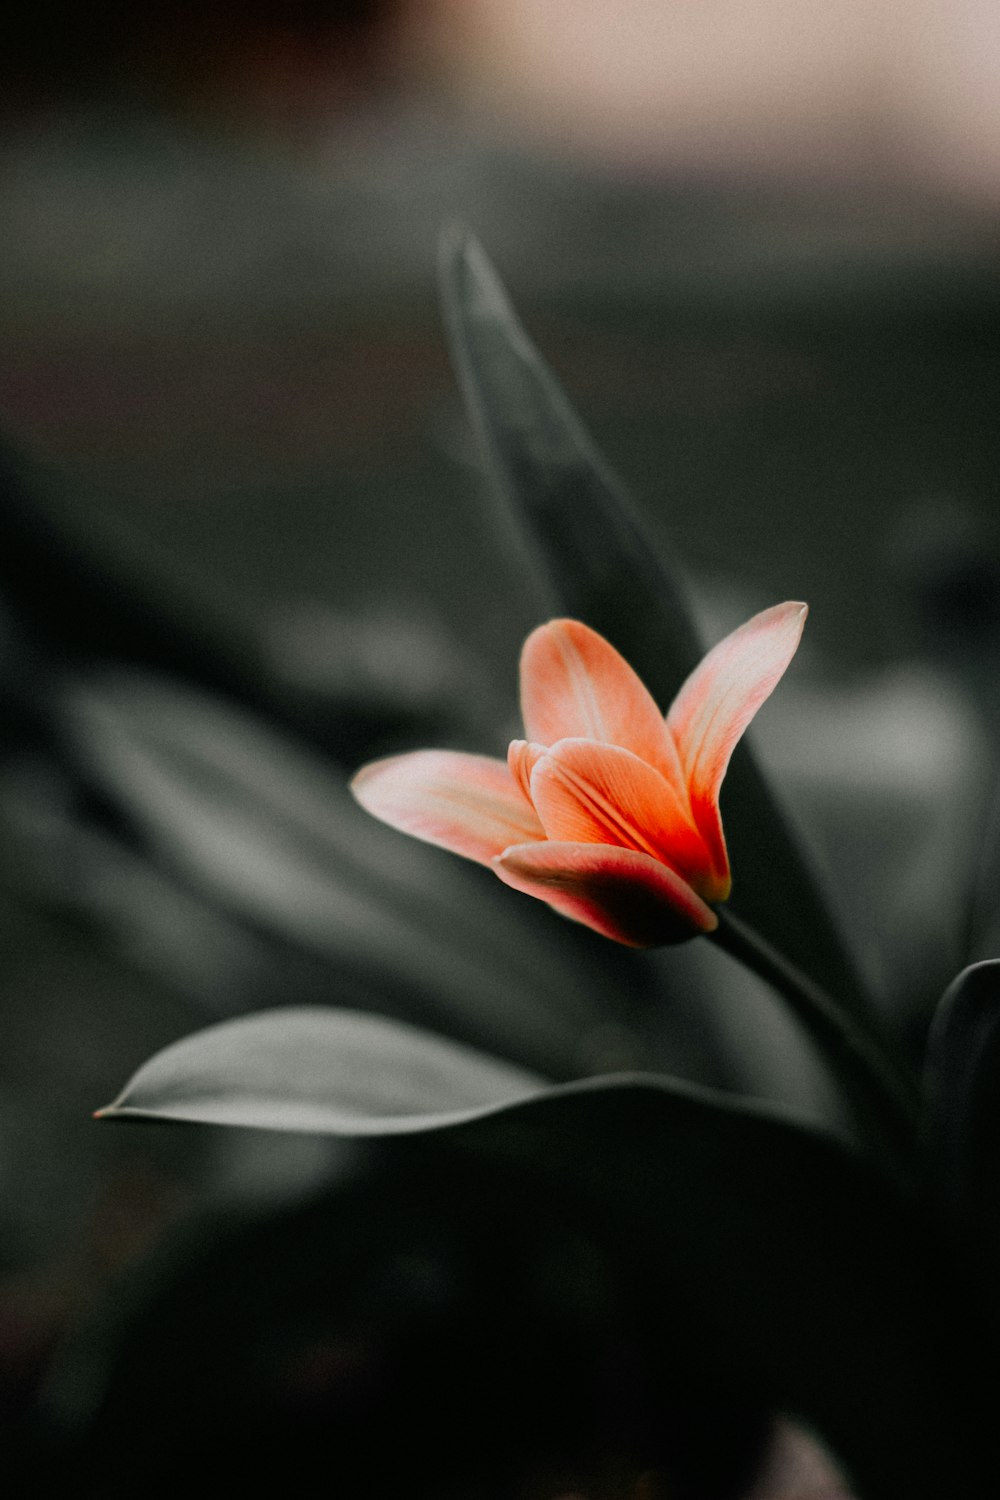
(806, 1277)
(436, 1326)
(962, 1077)
(982, 928)
(599, 564)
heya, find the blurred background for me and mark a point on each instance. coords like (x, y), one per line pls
(246, 543)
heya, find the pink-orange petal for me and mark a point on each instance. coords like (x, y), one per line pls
(575, 685)
(522, 757)
(470, 804)
(602, 794)
(621, 893)
(718, 701)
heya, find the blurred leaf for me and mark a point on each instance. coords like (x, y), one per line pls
(82, 587)
(339, 1072)
(962, 1088)
(803, 1275)
(962, 1085)
(89, 589)
(600, 565)
(157, 925)
(982, 932)
(265, 830)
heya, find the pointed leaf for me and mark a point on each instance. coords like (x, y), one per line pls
(336, 1072)
(600, 565)
(348, 1073)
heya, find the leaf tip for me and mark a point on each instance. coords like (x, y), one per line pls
(107, 1111)
(469, 281)
(454, 241)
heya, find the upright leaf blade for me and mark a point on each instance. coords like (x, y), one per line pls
(982, 928)
(962, 1085)
(592, 552)
(599, 563)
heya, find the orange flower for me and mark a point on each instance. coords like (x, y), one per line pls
(606, 811)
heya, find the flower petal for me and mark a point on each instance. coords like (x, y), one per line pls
(621, 893)
(470, 804)
(718, 701)
(589, 793)
(522, 757)
(574, 684)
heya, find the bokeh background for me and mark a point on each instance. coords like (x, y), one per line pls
(759, 248)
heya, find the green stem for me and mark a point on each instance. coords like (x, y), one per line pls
(886, 1101)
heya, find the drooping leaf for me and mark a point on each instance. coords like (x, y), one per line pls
(806, 1279)
(337, 1072)
(266, 831)
(599, 563)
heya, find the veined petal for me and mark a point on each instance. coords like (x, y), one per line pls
(522, 757)
(589, 793)
(718, 701)
(575, 685)
(621, 893)
(470, 804)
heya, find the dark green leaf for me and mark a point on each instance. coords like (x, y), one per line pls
(962, 1079)
(600, 564)
(982, 934)
(962, 1085)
